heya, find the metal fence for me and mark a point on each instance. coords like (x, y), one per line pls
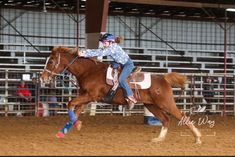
(50, 100)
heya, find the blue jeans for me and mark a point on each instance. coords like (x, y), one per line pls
(126, 71)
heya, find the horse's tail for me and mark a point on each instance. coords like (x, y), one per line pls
(176, 80)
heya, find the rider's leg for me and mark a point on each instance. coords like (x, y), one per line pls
(112, 91)
(126, 71)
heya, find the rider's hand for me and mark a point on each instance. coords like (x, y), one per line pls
(81, 54)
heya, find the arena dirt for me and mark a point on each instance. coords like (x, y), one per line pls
(113, 135)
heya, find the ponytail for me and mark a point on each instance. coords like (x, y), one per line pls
(119, 39)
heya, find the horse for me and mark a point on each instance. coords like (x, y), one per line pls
(90, 74)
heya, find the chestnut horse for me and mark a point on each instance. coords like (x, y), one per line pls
(90, 74)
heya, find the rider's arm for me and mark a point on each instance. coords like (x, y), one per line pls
(97, 52)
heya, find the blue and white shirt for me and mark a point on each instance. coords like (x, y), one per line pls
(113, 50)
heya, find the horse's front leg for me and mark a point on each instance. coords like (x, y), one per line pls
(73, 118)
(78, 124)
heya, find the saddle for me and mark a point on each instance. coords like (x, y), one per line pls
(137, 79)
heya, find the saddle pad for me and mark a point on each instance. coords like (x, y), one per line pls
(143, 84)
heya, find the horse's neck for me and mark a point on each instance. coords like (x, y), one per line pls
(83, 66)
(88, 64)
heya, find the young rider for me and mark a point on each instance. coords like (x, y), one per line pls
(112, 49)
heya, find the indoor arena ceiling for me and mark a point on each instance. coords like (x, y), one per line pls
(214, 10)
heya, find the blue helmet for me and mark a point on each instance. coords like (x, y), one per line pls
(107, 37)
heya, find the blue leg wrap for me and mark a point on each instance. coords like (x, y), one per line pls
(67, 127)
(72, 116)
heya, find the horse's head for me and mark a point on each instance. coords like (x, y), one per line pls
(55, 63)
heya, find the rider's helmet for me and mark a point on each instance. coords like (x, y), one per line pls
(107, 37)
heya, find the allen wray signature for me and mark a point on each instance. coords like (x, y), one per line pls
(204, 120)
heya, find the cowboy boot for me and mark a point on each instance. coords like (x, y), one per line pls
(109, 97)
(130, 103)
(132, 99)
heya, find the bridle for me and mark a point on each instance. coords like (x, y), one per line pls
(55, 67)
(51, 72)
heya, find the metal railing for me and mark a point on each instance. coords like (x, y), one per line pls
(53, 99)
(19, 59)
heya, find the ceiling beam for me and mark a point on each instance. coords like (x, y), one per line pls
(178, 3)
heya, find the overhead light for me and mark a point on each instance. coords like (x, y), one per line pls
(230, 9)
(149, 13)
(28, 2)
(134, 9)
(118, 8)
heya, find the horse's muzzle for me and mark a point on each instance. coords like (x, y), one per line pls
(45, 79)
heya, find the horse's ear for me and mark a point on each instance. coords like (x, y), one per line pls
(74, 51)
(54, 49)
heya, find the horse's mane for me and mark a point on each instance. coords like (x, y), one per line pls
(62, 49)
(73, 51)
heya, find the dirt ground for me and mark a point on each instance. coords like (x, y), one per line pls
(103, 135)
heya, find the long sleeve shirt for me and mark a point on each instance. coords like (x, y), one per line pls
(114, 51)
(24, 90)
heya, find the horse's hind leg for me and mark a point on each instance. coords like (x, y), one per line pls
(174, 111)
(162, 116)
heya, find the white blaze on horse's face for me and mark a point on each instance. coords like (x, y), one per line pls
(50, 69)
(45, 78)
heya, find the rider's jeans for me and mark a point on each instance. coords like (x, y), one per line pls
(126, 71)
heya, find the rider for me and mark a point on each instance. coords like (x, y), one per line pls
(112, 49)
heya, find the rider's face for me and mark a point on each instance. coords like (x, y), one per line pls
(105, 43)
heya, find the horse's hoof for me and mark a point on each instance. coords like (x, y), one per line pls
(198, 141)
(60, 135)
(78, 125)
(157, 139)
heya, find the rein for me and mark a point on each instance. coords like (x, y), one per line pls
(70, 64)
